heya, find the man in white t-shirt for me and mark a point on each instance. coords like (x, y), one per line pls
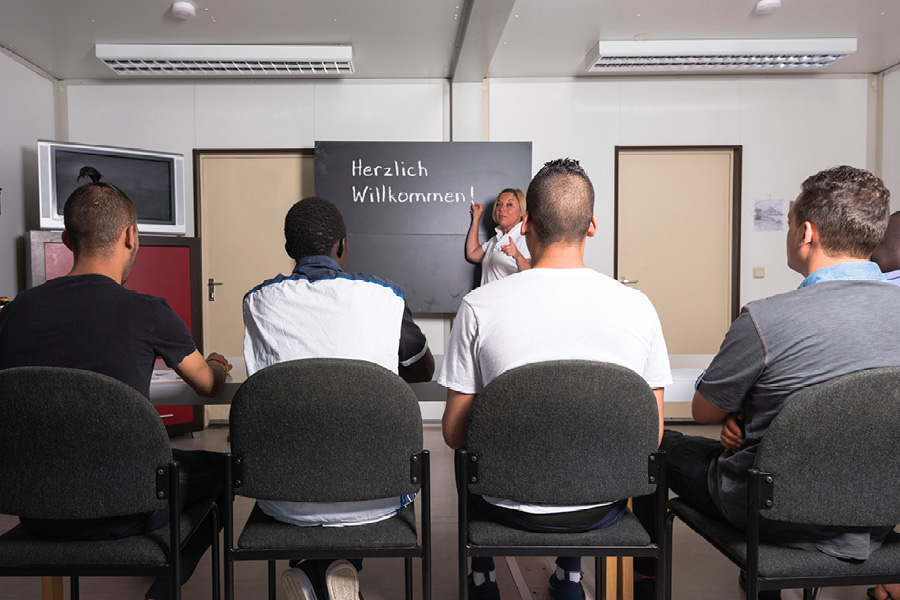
(559, 309)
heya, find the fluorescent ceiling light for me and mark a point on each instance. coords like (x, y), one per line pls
(716, 55)
(169, 60)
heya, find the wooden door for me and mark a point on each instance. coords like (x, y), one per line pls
(243, 198)
(677, 216)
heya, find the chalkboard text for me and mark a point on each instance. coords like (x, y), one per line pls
(398, 169)
(385, 193)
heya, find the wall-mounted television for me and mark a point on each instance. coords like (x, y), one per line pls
(153, 180)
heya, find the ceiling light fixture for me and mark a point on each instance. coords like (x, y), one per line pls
(717, 55)
(168, 60)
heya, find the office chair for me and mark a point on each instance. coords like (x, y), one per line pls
(328, 430)
(831, 457)
(566, 432)
(79, 445)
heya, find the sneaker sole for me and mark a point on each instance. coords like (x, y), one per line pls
(342, 581)
(297, 586)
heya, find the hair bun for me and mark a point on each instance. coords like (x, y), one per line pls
(89, 172)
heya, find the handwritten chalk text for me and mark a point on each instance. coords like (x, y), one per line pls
(397, 169)
(385, 193)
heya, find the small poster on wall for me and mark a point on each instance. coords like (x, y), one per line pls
(768, 214)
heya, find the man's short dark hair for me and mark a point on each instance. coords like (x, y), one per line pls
(95, 215)
(850, 207)
(560, 202)
(312, 227)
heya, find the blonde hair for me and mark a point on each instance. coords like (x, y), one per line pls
(519, 194)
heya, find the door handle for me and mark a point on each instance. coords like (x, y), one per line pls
(622, 280)
(212, 283)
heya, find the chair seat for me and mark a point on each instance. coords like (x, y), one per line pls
(263, 532)
(19, 549)
(627, 531)
(780, 561)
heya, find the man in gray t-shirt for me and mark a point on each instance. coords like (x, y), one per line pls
(842, 319)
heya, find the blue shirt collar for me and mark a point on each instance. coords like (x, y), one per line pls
(320, 261)
(855, 271)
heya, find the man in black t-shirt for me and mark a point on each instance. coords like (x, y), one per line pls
(88, 320)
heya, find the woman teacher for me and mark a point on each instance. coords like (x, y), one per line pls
(505, 253)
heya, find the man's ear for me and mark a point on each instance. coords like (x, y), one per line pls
(130, 236)
(65, 240)
(592, 228)
(342, 247)
(526, 224)
(809, 233)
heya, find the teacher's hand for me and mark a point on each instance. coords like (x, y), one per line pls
(476, 210)
(510, 249)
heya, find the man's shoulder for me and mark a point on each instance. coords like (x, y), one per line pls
(328, 277)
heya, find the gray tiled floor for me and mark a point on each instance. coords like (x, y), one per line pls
(699, 571)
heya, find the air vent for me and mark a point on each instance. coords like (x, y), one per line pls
(717, 55)
(226, 61)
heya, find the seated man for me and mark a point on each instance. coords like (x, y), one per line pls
(887, 253)
(843, 318)
(559, 309)
(319, 311)
(88, 320)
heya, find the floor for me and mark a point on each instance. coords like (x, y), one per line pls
(698, 570)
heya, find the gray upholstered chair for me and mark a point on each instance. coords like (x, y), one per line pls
(831, 457)
(79, 445)
(561, 432)
(327, 430)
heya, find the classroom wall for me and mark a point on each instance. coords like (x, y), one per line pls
(26, 115)
(789, 128)
(890, 149)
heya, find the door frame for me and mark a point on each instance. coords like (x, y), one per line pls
(200, 152)
(736, 152)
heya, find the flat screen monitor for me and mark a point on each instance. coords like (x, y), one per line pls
(154, 181)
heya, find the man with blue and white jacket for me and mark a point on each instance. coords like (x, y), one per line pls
(317, 311)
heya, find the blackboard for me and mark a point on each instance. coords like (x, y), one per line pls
(406, 206)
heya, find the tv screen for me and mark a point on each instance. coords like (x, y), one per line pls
(154, 181)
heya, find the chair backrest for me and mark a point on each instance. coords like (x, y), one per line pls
(564, 432)
(77, 445)
(834, 452)
(325, 430)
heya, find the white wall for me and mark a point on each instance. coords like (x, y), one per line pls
(890, 152)
(26, 115)
(789, 128)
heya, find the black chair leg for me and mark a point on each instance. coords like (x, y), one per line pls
(271, 580)
(407, 567)
(73, 588)
(601, 580)
(597, 570)
(215, 553)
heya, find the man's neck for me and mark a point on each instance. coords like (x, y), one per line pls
(559, 256)
(97, 266)
(821, 261)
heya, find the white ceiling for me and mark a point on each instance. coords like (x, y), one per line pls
(417, 38)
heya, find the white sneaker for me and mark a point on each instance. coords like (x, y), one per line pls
(342, 581)
(297, 585)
